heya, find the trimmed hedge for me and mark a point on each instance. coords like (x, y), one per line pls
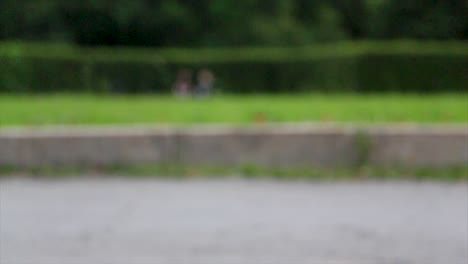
(399, 66)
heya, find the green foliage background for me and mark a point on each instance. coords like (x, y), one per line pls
(397, 66)
(210, 23)
(136, 46)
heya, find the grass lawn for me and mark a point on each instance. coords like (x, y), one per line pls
(18, 110)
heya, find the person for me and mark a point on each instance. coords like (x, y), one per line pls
(205, 83)
(183, 83)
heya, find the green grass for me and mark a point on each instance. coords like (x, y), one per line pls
(26, 110)
(247, 171)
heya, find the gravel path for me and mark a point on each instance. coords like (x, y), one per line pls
(147, 221)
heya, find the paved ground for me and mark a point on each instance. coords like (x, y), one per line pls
(86, 221)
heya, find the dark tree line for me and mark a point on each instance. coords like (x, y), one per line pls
(195, 23)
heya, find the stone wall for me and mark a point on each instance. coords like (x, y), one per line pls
(295, 145)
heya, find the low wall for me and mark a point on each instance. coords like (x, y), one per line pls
(264, 145)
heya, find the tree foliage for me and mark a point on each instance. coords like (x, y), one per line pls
(196, 23)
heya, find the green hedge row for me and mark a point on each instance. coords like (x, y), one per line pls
(400, 66)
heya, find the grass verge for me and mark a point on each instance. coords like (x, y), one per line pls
(247, 171)
(27, 110)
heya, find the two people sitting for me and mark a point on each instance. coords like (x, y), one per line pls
(183, 83)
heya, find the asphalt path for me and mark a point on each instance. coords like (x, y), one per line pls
(148, 221)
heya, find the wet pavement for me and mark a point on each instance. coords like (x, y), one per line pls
(149, 221)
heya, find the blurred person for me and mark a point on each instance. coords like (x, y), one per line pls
(183, 83)
(205, 83)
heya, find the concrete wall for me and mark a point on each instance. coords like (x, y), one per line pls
(85, 147)
(266, 146)
(428, 147)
